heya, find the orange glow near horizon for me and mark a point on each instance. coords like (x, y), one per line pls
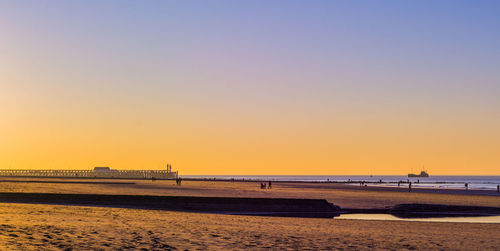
(245, 143)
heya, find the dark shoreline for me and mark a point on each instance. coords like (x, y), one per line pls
(308, 208)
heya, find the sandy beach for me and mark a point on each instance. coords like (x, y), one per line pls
(32, 226)
(27, 226)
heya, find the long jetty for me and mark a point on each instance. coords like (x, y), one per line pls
(111, 174)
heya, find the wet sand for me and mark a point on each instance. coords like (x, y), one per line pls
(47, 227)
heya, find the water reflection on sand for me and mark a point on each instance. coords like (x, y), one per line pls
(475, 219)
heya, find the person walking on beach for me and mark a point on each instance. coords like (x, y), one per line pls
(269, 185)
(498, 188)
(409, 187)
(466, 186)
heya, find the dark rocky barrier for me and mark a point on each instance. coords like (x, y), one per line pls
(311, 208)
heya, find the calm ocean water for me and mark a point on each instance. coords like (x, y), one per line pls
(445, 182)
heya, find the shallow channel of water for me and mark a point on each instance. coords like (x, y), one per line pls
(475, 219)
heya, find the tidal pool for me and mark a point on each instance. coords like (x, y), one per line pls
(470, 219)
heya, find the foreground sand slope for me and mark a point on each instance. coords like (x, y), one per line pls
(25, 226)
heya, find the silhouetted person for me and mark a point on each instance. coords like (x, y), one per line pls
(466, 186)
(409, 187)
(498, 188)
(269, 185)
(399, 183)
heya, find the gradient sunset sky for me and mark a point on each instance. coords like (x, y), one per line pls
(251, 87)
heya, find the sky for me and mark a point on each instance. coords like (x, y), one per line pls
(251, 87)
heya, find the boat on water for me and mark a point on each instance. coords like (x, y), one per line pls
(422, 174)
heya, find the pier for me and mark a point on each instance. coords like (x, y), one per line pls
(97, 172)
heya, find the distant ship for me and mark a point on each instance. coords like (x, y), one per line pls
(422, 174)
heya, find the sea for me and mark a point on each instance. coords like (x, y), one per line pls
(438, 181)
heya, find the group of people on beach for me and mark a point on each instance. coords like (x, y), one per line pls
(263, 185)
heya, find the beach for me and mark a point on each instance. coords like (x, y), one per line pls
(28, 226)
